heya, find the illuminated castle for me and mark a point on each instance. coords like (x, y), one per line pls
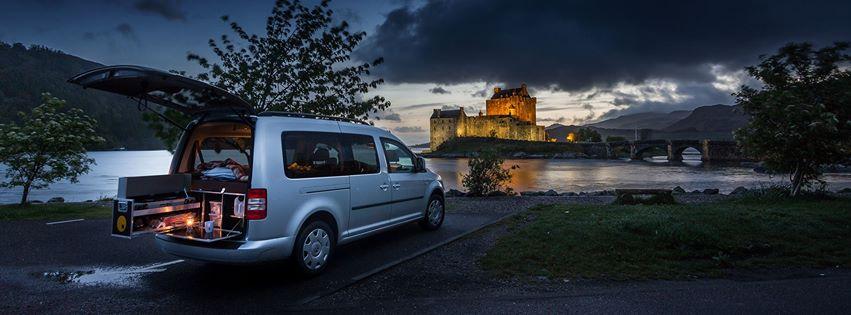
(510, 115)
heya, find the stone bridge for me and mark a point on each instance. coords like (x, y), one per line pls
(710, 150)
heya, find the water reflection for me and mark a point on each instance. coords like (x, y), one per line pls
(591, 175)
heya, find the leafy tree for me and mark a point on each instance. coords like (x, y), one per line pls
(615, 139)
(486, 174)
(801, 115)
(301, 64)
(47, 146)
(587, 135)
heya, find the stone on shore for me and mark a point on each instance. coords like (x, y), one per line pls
(551, 193)
(711, 191)
(56, 200)
(739, 190)
(678, 190)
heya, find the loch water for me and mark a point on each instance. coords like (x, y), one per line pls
(533, 174)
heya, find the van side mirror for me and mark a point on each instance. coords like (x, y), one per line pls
(421, 165)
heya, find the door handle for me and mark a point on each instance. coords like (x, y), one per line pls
(383, 187)
(396, 186)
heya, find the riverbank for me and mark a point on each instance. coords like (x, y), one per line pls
(674, 241)
(452, 278)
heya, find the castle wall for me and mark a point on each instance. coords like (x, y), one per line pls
(442, 130)
(517, 106)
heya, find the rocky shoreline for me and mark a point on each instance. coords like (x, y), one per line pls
(675, 191)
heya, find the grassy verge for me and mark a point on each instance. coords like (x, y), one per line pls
(506, 147)
(674, 241)
(55, 211)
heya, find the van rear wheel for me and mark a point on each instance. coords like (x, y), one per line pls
(314, 248)
(435, 211)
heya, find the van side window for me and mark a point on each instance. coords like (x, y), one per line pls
(363, 158)
(399, 159)
(312, 154)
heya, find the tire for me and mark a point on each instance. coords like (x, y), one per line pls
(434, 213)
(314, 248)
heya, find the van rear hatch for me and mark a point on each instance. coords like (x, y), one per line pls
(187, 95)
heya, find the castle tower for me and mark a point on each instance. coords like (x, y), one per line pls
(512, 102)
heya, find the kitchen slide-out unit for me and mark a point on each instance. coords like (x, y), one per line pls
(177, 206)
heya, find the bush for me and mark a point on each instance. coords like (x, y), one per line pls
(486, 174)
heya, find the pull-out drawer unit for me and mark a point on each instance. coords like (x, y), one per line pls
(166, 204)
(150, 204)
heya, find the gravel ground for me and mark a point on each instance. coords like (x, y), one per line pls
(453, 270)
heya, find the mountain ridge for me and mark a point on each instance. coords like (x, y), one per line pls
(27, 72)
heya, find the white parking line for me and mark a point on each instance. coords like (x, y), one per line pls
(66, 221)
(159, 266)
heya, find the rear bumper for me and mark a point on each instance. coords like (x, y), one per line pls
(230, 252)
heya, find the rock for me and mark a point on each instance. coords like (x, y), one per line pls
(551, 193)
(455, 193)
(678, 190)
(565, 155)
(56, 200)
(88, 200)
(710, 191)
(582, 193)
(519, 155)
(569, 193)
(739, 190)
(536, 156)
(531, 193)
(844, 191)
(36, 201)
(695, 191)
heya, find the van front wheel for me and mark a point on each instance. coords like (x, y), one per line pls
(313, 248)
(435, 211)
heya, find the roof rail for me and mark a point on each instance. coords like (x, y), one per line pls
(313, 116)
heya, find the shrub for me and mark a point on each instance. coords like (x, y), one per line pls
(486, 174)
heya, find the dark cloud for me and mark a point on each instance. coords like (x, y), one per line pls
(576, 45)
(407, 129)
(127, 32)
(170, 10)
(438, 90)
(388, 115)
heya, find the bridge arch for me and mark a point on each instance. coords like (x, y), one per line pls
(640, 149)
(676, 152)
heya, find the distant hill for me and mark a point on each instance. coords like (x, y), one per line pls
(714, 118)
(25, 73)
(648, 120)
(706, 122)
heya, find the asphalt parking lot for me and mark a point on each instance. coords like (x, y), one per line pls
(78, 266)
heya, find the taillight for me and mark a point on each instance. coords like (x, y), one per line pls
(255, 207)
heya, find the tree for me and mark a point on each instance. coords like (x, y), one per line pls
(587, 135)
(486, 174)
(301, 64)
(47, 146)
(615, 139)
(801, 115)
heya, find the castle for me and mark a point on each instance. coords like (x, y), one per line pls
(510, 115)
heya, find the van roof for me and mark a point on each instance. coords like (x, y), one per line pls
(311, 116)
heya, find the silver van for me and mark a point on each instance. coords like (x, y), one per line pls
(246, 187)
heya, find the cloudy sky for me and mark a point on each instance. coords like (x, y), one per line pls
(584, 60)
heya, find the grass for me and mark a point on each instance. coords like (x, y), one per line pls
(674, 241)
(55, 211)
(506, 147)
